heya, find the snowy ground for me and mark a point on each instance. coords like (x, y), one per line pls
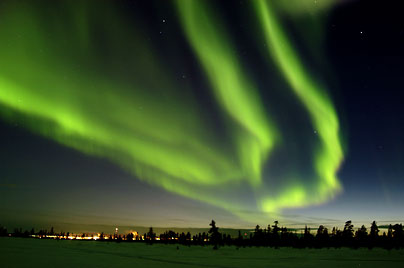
(20, 252)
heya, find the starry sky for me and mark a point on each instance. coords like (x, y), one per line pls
(171, 113)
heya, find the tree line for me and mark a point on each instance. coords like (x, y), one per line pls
(272, 236)
(276, 236)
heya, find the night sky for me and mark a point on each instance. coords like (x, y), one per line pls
(171, 113)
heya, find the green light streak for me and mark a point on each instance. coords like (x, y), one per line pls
(231, 86)
(320, 108)
(125, 107)
(99, 114)
(120, 101)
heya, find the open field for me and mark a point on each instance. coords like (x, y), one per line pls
(20, 252)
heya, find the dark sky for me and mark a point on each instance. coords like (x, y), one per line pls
(357, 54)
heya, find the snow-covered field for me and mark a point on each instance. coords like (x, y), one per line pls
(20, 252)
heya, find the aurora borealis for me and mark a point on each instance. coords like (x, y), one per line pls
(230, 105)
(318, 105)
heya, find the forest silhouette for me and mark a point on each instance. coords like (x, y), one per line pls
(272, 236)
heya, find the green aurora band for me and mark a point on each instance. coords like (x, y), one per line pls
(320, 108)
(57, 82)
(53, 84)
(232, 88)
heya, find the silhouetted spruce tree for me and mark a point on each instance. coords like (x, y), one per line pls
(227, 240)
(258, 238)
(397, 230)
(398, 235)
(185, 239)
(374, 230)
(390, 232)
(239, 240)
(284, 237)
(308, 238)
(373, 235)
(348, 229)
(275, 235)
(214, 235)
(387, 240)
(347, 233)
(361, 237)
(275, 227)
(322, 237)
(151, 236)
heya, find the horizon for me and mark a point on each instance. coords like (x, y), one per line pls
(77, 228)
